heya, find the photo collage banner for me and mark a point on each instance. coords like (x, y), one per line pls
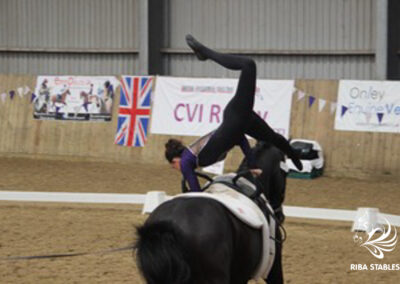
(86, 98)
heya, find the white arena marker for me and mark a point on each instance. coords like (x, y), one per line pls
(366, 220)
(153, 200)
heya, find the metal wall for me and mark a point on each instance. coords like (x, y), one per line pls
(288, 38)
(394, 40)
(321, 39)
(74, 36)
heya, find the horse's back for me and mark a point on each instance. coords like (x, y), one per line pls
(220, 246)
(196, 218)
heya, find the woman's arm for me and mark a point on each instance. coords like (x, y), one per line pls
(188, 165)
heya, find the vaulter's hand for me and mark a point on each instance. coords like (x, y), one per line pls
(256, 172)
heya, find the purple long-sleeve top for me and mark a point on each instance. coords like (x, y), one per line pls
(189, 164)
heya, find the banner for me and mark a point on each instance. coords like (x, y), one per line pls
(368, 106)
(194, 106)
(74, 97)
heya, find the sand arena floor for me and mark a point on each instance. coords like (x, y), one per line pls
(315, 251)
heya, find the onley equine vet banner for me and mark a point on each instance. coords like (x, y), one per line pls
(74, 97)
(194, 106)
(368, 106)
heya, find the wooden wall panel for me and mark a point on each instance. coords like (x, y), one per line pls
(353, 154)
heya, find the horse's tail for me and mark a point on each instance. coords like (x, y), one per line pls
(160, 254)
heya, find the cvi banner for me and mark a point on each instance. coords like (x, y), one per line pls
(194, 106)
(368, 106)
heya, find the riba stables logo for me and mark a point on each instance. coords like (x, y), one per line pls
(383, 243)
(377, 245)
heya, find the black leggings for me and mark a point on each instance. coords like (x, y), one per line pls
(239, 117)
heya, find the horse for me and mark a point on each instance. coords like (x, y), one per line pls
(273, 179)
(197, 240)
(90, 99)
(274, 172)
(60, 98)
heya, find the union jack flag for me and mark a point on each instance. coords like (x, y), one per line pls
(134, 111)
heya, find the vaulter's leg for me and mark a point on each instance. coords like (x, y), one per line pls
(243, 101)
(259, 129)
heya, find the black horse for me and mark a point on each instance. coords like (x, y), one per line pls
(273, 177)
(197, 240)
(273, 180)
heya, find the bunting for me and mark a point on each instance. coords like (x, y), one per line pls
(3, 97)
(11, 93)
(380, 117)
(20, 91)
(344, 109)
(23, 91)
(368, 116)
(311, 100)
(33, 97)
(321, 104)
(300, 95)
(333, 106)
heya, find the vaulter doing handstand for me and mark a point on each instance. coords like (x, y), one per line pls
(239, 120)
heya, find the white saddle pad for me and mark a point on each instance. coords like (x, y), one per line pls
(249, 213)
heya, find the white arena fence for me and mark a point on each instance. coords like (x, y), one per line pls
(112, 198)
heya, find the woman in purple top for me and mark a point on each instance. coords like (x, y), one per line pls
(238, 119)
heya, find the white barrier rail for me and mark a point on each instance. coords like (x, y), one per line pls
(70, 197)
(289, 211)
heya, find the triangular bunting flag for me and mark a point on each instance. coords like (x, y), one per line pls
(321, 104)
(12, 94)
(300, 95)
(311, 100)
(344, 109)
(333, 107)
(33, 97)
(368, 116)
(20, 91)
(380, 116)
(26, 90)
(3, 97)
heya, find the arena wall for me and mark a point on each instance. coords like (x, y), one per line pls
(320, 39)
(95, 37)
(352, 154)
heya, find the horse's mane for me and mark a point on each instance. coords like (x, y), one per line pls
(161, 255)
